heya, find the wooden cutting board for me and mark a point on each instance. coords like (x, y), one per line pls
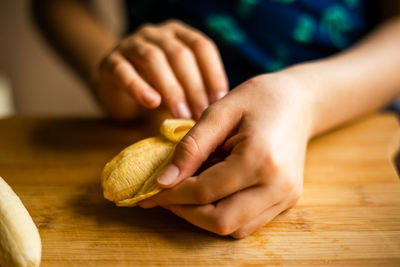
(349, 213)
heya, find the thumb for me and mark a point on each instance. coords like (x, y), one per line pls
(216, 123)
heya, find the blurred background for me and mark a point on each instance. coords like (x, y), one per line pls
(33, 79)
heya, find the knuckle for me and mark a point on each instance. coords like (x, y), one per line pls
(151, 54)
(222, 225)
(131, 44)
(180, 53)
(189, 147)
(115, 67)
(145, 28)
(273, 163)
(173, 23)
(110, 60)
(201, 43)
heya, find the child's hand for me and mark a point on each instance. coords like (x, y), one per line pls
(265, 124)
(169, 62)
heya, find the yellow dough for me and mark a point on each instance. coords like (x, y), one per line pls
(130, 176)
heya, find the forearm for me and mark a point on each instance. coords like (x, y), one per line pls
(74, 33)
(354, 82)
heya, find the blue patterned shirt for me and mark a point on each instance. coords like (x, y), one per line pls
(258, 36)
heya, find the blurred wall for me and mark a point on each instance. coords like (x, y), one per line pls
(41, 83)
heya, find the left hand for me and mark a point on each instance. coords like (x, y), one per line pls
(169, 62)
(264, 124)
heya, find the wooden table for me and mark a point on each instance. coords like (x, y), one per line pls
(349, 213)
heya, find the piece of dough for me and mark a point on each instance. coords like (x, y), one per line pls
(130, 176)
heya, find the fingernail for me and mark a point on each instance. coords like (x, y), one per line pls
(182, 111)
(149, 97)
(146, 204)
(168, 175)
(221, 95)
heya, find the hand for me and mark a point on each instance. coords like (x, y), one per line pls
(169, 62)
(264, 124)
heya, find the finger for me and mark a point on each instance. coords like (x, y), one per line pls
(233, 141)
(115, 99)
(217, 182)
(229, 214)
(154, 63)
(122, 71)
(186, 70)
(211, 130)
(261, 220)
(209, 60)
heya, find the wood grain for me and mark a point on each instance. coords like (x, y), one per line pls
(349, 213)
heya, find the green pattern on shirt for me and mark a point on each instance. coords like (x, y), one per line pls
(352, 3)
(282, 57)
(304, 30)
(226, 27)
(336, 22)
(244, 8)
(283, 1)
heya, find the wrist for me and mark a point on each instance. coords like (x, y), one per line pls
(308, 84)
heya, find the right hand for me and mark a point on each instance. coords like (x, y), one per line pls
(263, 125)
(169, 62)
